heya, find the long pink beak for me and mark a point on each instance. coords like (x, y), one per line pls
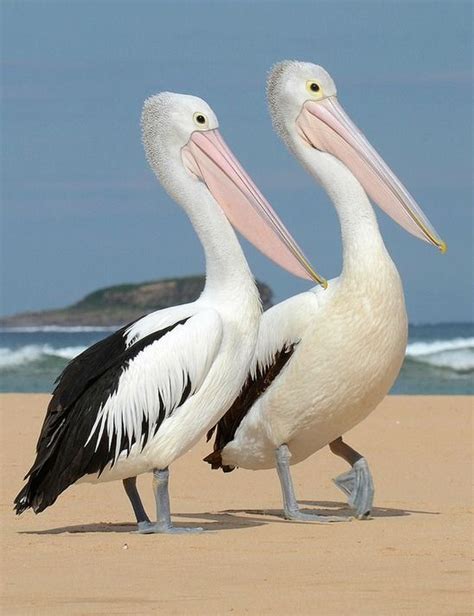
(325, 126)
(209, 158)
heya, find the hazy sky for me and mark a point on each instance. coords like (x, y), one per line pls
(80, 207)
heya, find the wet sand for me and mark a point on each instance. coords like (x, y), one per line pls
(413, 556)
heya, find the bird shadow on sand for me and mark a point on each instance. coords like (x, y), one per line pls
(377, 512)
(209, 522)
(331, 508)
(235, 519)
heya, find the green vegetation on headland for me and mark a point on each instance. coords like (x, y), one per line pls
(123, 303)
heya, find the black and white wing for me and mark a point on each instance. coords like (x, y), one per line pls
(115, 395)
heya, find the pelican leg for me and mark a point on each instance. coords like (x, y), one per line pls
(163, 517)
(130, 485)
(357, 483)
(291, 510)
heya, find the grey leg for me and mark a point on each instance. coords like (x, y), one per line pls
(163, 518)
(291, 509)
(130, 486)
(356, 483)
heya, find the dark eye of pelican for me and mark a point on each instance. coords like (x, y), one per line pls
(314, 87)
(200, 119)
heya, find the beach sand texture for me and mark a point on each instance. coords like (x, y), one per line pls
(413, 557)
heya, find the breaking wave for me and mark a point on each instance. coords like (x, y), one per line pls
(35, 353)
(456, 354)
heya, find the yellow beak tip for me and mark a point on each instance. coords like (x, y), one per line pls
(443, 247)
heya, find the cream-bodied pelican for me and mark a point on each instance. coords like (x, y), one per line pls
(142, 397)
(326, 358)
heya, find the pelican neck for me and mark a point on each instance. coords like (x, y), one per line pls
(362, 242)
(227, 270)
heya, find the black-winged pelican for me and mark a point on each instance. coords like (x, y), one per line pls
(139, 399)
(326, 358)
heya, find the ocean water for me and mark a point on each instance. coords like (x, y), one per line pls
(439, 359)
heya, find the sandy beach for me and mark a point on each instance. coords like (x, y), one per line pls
(412, 557)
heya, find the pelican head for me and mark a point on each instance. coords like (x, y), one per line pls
(186, 151)
(305, 111)
(168, 121)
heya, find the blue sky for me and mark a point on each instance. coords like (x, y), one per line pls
(80, 207)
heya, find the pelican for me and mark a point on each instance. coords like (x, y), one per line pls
(326, 358)
(139, 399)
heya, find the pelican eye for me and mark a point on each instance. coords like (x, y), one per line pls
(313, 87)
(200, 119)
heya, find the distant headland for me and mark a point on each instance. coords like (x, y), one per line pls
(122, 303)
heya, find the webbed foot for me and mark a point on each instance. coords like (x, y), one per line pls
(358, 485)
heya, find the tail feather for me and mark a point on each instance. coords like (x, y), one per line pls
(40, 491)
(35, 498)
(23, 500)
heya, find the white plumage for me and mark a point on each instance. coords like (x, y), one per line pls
(157, 378)
(350, 346)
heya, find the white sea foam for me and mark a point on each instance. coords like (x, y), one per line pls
(35, 352)
(460, 361)
(456, 354)
(437, 346)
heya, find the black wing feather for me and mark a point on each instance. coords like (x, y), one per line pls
(78, 375)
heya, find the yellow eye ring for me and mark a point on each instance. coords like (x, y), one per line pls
(314, 88)
(200, 119)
